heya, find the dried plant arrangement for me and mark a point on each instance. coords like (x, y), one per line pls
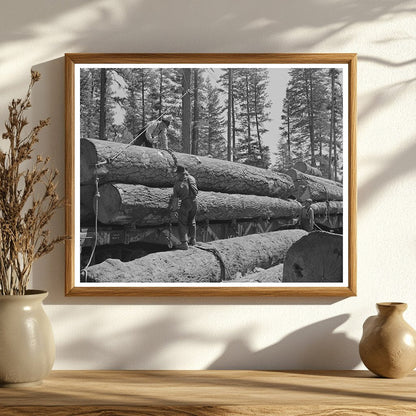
(28, 199)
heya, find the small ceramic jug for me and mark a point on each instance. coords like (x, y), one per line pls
(388, 345)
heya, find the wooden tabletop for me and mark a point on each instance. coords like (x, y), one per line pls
(253, 393)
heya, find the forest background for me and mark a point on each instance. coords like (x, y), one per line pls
(265, 117)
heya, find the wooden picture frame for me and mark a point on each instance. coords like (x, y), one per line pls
(338, 110)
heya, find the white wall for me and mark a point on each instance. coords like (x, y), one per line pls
(201, 333)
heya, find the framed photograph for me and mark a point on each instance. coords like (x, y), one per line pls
(211, 174)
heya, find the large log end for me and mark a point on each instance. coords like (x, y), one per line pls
(88, 161)
(306, 168)
(316, 257)
(109, 204)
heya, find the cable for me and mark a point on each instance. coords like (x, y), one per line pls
(225, 274)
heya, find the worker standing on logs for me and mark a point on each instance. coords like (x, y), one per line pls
(154, 134)
(307, 216)
(185, 191)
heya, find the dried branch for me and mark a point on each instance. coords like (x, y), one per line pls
(23, 217)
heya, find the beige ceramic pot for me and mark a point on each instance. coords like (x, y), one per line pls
(27, 347)
(388, 344)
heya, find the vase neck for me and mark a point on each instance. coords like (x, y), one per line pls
(390, 308)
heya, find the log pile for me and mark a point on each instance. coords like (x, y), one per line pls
(134, 192)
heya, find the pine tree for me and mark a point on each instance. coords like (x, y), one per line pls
(311, 120)
(335, 136)
(89, 102)
(103, 106)
(133, 103)
(262, 104)
(226, 84)
(212, 140)
(96, 103)
(172, 105)
(186, 110)
(197, 74)
(253, 112)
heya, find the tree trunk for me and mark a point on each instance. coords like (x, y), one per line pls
(195, 124)
(91, 107)
(186, 110)
(248, 118)
(153, 167)
(257, 119)
(331, 126)
(316, 257)
(214, 262)
(137, 204)
(308, 169)
(229, 116)
(315, 188)
(160, 92)
(309, 104)
(289, 150)
(103, 100)
(333, 74)
(209, 138)
(233, 117)
(143, 102)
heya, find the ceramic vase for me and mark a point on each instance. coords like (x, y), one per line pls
(388, 345)
(27, 347)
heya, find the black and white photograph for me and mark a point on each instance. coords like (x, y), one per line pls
(229, 176)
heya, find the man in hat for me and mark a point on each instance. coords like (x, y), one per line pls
(183, 205)
(307, 216)
(154, 135)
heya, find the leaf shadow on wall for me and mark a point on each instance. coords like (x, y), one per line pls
(117, 23)
(217, 26)
(125, 347)
(392, 170)
(403, 162)
(152, 345)
(316, 346)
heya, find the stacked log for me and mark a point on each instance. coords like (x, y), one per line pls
(126, 204)
(327, 208)
(306, 168)
(211, 262)
(328, 214)
(314, 187)
(119, 163)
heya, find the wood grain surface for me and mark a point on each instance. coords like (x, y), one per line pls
(213, 393)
